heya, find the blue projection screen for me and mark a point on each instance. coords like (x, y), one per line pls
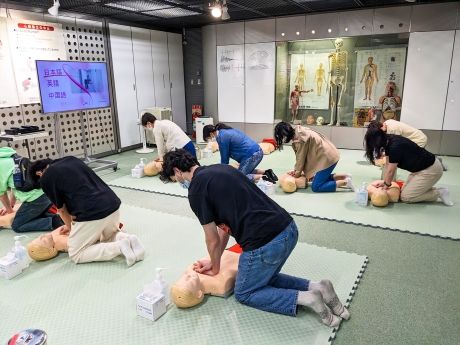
(72, 85)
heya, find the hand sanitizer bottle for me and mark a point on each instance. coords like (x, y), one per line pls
(20, 252)
(362, 195)
(163, 285)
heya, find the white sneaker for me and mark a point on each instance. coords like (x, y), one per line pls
(444, 195)
(350, 183)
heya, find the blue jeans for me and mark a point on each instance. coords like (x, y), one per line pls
(190, 148)
(34, 216)
(324, 182)
(259, 283)
(248, 166)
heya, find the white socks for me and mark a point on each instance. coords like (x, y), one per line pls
(445, 196)
(330, 297)
(349, 183)
(125, 248)
(137, 247)
(314, 300)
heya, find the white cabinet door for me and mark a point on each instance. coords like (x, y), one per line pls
(159, 41)
(143, 69)
(452, 115)
(427, 75)
(125, 84)
(176, 75)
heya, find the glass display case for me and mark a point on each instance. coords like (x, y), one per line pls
(345, 81)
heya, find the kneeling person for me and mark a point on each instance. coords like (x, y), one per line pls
(89, 209)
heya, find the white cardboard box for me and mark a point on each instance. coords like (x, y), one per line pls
(151, 309)
(9, 267)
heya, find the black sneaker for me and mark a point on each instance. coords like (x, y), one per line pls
(267, 178)
(270, 174)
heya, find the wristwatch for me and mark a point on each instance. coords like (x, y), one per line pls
(386, 184)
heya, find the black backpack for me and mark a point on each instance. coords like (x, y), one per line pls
(21, 174)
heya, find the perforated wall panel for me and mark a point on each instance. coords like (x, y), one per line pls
(84, 41)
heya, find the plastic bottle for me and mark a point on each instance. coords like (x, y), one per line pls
(17, 177)
(163, 285)
(142, 163)
(20, 252)
(362, 195)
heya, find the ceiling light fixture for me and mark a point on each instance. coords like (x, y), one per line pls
(216, 9)
(54, 10)
(225, 15)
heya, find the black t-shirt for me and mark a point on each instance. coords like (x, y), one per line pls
(408, 154)
(222, 194)
(70, 182)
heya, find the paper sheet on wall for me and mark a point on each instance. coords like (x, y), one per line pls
(9, 95)
(390, 63)
(230, 81)
(260, 82)
(310, 72)
(30, 41)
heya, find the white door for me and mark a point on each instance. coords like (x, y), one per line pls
(159, 41)
(427, 75)
(125, 84)
(452, 115)
(176, 75)
(143, 69)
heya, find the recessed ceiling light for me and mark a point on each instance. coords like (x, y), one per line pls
(346, 29)
(297, 33)
(282, 34)
(329, 30)
(313, 32)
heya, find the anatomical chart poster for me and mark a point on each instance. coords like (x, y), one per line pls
(8, 96)
(30, 41)
(230, 81)
(374, 69)
(310, 72)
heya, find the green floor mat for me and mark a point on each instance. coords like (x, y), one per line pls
(432, 219)
(94, 304)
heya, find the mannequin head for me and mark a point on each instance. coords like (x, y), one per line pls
(311, 120)
(267, 148)
(320, 121)
(153, 168)
(287, 183)
(187, 291)
(48, 245)
(379, 198)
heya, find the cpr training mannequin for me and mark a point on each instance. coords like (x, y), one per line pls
(153, 168)
(289, 184)
(191, 287)
(380, 197)
(6, 220)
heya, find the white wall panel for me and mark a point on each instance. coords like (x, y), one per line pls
(124, 83)
(230, 83)
(260, 82)
(427, 75)
(452, 114)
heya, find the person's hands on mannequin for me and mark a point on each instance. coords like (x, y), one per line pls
(4, 211)
(64, 230)
(292, 173)
(203, 266)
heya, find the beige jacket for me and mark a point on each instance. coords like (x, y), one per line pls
(406, 131)
(314, 152)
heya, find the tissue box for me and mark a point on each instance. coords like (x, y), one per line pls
(9, 267)
(137, 172)
(151, 309)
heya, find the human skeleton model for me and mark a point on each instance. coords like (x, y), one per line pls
(338, 70)
(390, 102)
(320, 79)
(300, 77)
(369, 76)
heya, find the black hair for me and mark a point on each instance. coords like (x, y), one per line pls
(375, 142)
(180, 159)
(284, 133)
(208, 129)
(375, 124)
(36, 166)
(147, 117)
